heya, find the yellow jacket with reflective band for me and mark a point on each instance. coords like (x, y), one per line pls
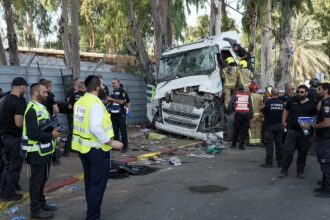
(82, 139)
(31, 145)
(257, 100)
(230, 74)
(245, 76)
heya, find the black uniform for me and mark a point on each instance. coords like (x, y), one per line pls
(72, 100)
(285, 98)
(118, 115)
(295, 138)
(11, 105)
(51, 100)
(313, 95)
(272, 112)
(241, 122)
(323, 144)
(39, 164)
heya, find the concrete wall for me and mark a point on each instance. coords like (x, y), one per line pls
(133, 84)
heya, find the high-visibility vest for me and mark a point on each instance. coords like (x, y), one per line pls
(82, 139)
(257, 100)
(29, 145)
(150, 92)
(242, 103)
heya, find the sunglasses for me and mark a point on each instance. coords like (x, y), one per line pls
(301, 92)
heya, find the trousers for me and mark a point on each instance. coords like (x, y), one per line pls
(273, 136)
(323, 157)
(241, 127)
(255, 130)
(96, 165)
(119, 127)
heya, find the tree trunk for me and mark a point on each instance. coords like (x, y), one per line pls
(75, 38)
(140, 48)
(29, 33)
(3, 60)
(286, 55)
(65, 33)
(215, 18)
(253, 30)
(11, 34)
(267, 75)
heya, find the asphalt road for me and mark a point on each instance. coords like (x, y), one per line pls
(230, 186)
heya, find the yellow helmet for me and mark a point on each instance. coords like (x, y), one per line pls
(243, 63)
(230, 60)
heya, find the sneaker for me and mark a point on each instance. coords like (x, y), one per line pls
(283, 174)
(266, 165)
(51, 208)
(13, 197)
(41, 214)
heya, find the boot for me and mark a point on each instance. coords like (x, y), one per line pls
(51, 208)
(41, 214)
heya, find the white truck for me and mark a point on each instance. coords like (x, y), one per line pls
(188, 95)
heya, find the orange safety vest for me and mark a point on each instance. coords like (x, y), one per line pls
(242, 103)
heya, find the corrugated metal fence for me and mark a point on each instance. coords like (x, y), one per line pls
(133, 84)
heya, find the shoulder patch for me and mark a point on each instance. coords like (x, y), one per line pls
(326, 109)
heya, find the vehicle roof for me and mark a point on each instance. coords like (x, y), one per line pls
(210, 41)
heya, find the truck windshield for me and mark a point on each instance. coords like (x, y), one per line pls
(194, 62)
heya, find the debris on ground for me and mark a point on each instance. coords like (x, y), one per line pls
(21, 217)
(74, 188)
(175, 161)
(11, 210)
(155, 136)
(200, 155)
(213, 150)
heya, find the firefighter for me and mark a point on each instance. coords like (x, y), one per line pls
(242, 105)
(255, 127)
(229, 75)
(245, 75)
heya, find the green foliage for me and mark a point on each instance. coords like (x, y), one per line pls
(201, 30)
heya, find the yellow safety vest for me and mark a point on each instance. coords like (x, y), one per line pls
(82, 139)
(245, 76)
(29, 145)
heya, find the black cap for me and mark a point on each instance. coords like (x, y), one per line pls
(19, 81)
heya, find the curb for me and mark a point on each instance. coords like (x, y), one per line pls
(79, 177)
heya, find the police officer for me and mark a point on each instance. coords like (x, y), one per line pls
(12, 107)
(117, 107)
(323, 141)
(255, 126)
(312, 91)
(229, 76)
(38, 143)
(289, 89)
(298, 106)
(272, 112)
(92, 134)
(245, 76)
(242, 106)
(75, 96)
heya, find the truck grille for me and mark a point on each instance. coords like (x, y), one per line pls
(181, 115)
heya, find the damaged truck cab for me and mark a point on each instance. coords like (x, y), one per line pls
(188, 96)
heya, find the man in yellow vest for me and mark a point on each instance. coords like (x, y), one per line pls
(92, 138)
(245, 75)
(256, 123)
(229, 76)
(37, 143)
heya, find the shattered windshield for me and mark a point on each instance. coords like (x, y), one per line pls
(195, 62)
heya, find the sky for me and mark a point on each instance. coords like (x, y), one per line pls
(191, 19)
